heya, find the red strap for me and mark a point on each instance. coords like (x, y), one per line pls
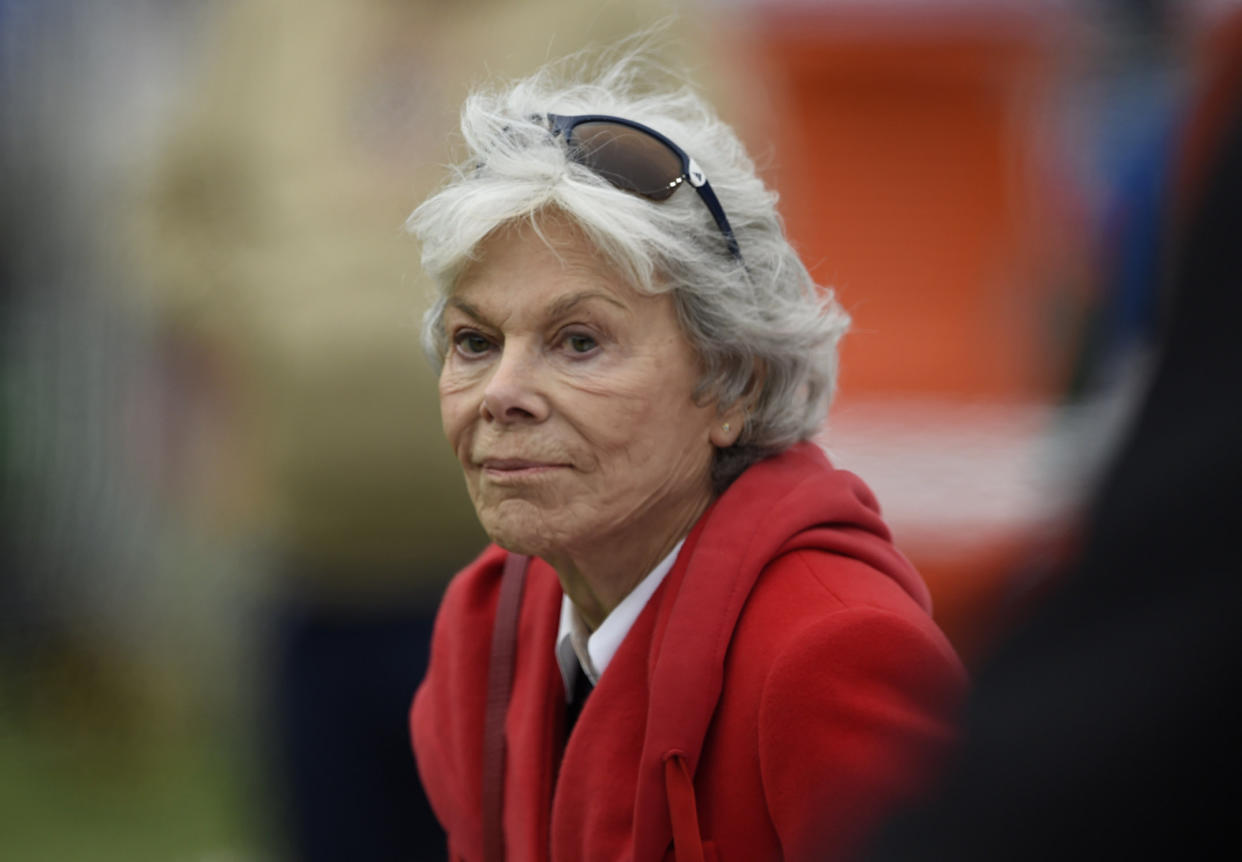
(499, 686)
(682, 810)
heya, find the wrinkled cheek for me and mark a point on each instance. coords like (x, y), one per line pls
(477, 492)
(459, 402)
(615, 438)
(456, 426)
(638, 451)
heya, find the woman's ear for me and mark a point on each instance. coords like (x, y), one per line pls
(728, 426)
(729, 422)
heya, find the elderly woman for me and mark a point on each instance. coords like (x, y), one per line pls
(633, 362)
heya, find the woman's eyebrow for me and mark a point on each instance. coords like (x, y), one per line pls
(467, 308)
(567, 303)
(558, 308)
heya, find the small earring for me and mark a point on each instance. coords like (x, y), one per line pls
(725, 427)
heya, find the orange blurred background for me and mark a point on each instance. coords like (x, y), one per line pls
(920, 178)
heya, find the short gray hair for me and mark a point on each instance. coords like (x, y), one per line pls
(765, 333)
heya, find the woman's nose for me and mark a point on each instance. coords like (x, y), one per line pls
(514, 391)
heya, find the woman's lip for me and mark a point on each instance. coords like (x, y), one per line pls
(516, 465)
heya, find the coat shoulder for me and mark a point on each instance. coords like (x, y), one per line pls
(810, 606)
(857, 695)
(824, 589)
(446, 717)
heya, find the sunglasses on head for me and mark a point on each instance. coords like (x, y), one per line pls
(636, 158)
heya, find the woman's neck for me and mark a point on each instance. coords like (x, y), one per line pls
(602, 575)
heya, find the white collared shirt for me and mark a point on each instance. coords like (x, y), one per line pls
(593, 651)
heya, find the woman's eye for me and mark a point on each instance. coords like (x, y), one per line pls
(471, 343)
(579, 343)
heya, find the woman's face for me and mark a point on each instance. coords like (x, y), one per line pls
(567, 397)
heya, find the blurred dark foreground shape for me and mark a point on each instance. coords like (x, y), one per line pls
(1108, 725)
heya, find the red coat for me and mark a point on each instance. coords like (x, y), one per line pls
(782, 689)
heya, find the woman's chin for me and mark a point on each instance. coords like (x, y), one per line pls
(517, 544)
(519, 532)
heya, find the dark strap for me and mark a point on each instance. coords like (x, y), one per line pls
(582, 688)
(499, 686)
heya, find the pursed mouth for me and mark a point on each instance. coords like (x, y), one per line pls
(517, 465)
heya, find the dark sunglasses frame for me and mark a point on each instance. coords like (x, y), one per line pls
(690, 171)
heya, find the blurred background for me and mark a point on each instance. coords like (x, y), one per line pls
(228, 512)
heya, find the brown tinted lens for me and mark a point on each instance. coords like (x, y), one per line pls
(627, 158)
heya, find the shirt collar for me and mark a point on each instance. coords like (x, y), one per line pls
(592, 651)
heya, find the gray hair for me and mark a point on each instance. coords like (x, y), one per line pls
(765, 333)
